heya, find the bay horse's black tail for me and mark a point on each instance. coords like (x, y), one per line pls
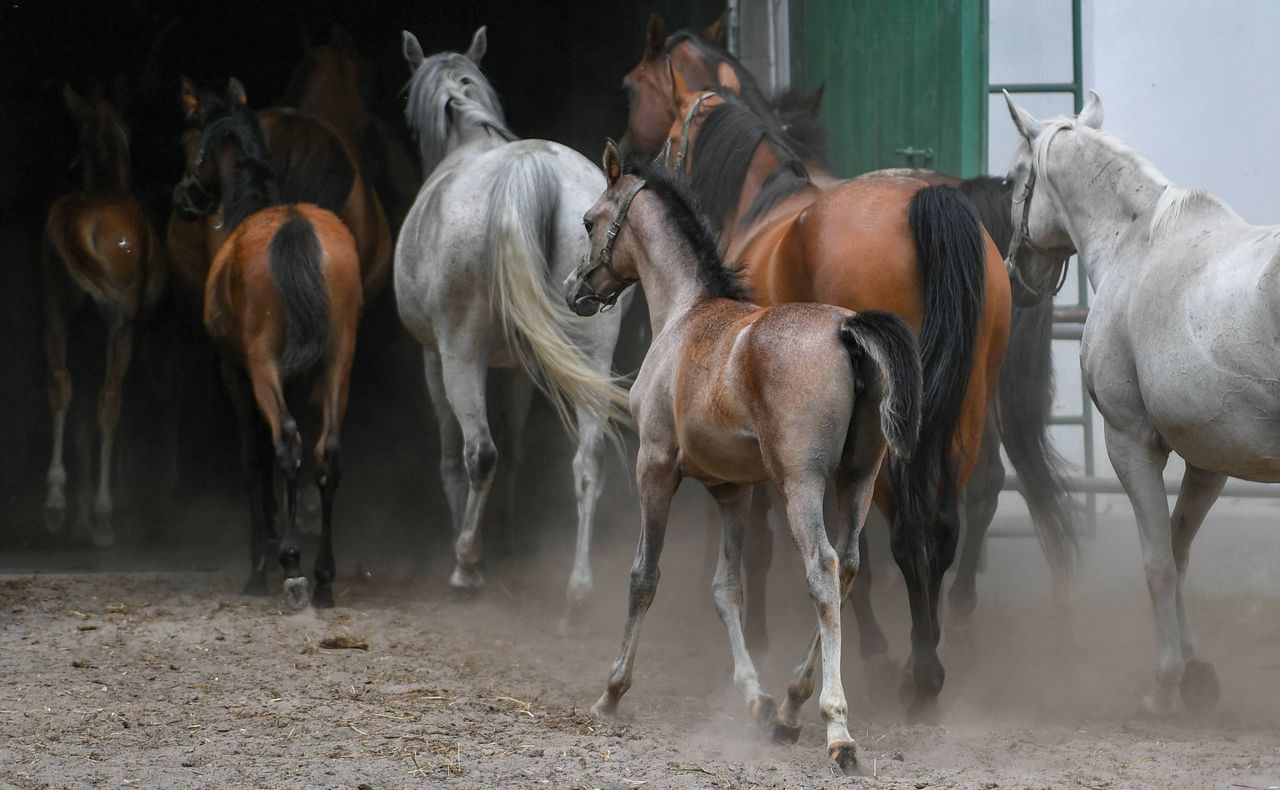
(886, 342)
(297, 268)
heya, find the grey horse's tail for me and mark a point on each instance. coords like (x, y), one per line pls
(881, 345)
(521, 234)
(296, 260)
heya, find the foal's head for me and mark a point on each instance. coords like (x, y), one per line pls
(104, 141)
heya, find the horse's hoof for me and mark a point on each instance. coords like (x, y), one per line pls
(572, 625)
(845, 757)
(881, 675)
(1158, 703)
(101, 532)
(296, 593)
(322, 598)
(924, 710)
(763, 710)
(786, 734)
(1200, 687)
(466, 578)
(605, 708)
(257, 585)
(55, 517)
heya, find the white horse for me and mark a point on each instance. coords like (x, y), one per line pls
(1179, 350)
(495, 228)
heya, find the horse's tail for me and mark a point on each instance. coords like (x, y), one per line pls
(297, 268)
(1025, 407)
(521, 236)
(885, 341)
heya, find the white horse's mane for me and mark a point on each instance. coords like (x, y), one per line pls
(1173, 200)
(445, 89)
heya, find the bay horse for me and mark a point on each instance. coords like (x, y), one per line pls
(282, 304)
(1178, 351)
(100, 249)
(1022, 412)
(734, 395)
(890, 243)
(495, 226)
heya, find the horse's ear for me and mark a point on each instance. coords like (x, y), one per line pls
(679, 88)
(655, 36)
(611, 162)
(235, 91)
(189, 98)
(1091, 114)
(726, 77)
(718, 31)
(479, 44)
(341, 38)
(813, 104)
(1026, 124)
(78, 105)
(412, 50)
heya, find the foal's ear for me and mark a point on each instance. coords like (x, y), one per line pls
(655, 36)
(236, 92)
(611, 162)
(78, 105)
(479, 44)
(1091, 114)
(412, 50)
(718, 31)
(189, 98)
(726, 77)
(1027, 125)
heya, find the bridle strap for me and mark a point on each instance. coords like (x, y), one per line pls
(1022, 237)
(604, 258)
(687, 128)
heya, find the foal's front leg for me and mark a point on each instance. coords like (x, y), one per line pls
(657, 479)
(735, 507)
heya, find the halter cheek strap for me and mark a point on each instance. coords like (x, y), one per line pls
(687, 127)
(604, 258)
(1022, 237)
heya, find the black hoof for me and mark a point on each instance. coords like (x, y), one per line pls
(257, 585)
(1200, 688)
(786, 734)
(845, 757)
(322, 598)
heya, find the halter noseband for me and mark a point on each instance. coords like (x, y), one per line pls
(687, 127)
(1022, 236)
(604, 258)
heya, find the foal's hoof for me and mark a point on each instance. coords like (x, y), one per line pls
(322, 598)
(845, 757)
(881, 675)
(466, 578)
(763, 710)
(101, 532)
(1200, 687)
(296, 594)
(786, 734)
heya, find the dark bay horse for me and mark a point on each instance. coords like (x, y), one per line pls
(885, 243)
(733, 395)
(99, 249)
(282, 303)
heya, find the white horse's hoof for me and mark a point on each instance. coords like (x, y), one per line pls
(466, 578)
(844, 755)
(1200, 688)
(605, 708)
(1158, 702)
(296, 593)
(101, 532)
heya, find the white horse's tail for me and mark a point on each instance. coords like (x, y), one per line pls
(521, 231)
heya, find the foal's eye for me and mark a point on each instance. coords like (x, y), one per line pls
(588, 223)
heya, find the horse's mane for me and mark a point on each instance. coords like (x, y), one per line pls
(727, 142)
(254, 185)
(802, 126)
(718, 281)
(449, 88)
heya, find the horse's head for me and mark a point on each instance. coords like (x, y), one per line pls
(648, 85)
(335, 82)
(104, 140)
(1041, 244)
(449, 99)
(600, 280)
(692, 106)
(221, 135)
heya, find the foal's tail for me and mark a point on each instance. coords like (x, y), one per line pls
(297, 262)
(521, 234)
(882, 347)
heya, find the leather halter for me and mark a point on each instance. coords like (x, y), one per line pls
(604, 258)
(1022, 236)
(687, 127)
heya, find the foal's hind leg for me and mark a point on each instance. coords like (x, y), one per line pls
(328, 475)
(1200, 489)
(588, 482)
(119, 354)
(735, 506)
(269, 394)
(259, 479)
(55, 344)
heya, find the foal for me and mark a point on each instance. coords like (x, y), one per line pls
(735, 395)
(99, 247)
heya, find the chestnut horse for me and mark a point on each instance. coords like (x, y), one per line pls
(735, 395)
(282, 304)
(878, 243)
(101, 249)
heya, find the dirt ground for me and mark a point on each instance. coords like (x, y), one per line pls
(146, 679)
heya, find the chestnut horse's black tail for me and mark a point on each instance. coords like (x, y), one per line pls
(297, 267)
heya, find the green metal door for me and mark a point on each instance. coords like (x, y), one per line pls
(905, 80)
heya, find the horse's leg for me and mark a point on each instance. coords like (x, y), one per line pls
(1140, 466)
(657, 479)
(517, 397)
(259, 478)
(268, 393)
(981, 496)
(917, 549)
(55, 346)
(735, 508)
(119, 354)
(758, 550)
(804, 515)
(328, 475)
(588, 482)
(1199, 490)
(464, 386)
(879, 670)
(453, 475)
